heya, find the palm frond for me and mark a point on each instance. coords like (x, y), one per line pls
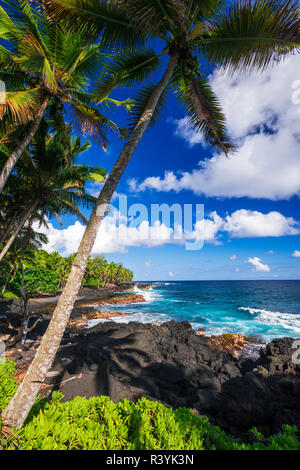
(32, 59)
(141, 101)
(205, 114)
(248, 35)
(20, 105)
(8, 30)
(26, 19)
(156, 15)
(92, 123)
(126, 70)
(95, 17)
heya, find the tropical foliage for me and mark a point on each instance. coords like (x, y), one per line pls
(244, 37)
(101, 424)
(42, 66)
(48, 272)
(65, 58)
(47, 182)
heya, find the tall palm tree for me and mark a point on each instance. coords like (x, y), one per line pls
(44, 64)
(243, 37)
(52, 186)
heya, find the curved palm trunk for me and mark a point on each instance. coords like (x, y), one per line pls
(17, 231)
(18, 408)
(9, 228)
(15, 156)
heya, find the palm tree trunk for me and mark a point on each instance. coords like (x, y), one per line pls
(16, 412)
(15, 156)
(17, 231)
(9, 227)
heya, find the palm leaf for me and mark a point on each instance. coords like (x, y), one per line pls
(126, 70)
(33, 59)
(95, 17)
(156, 15)
(205, 113)
(92, 123)
(20, 105)
(248, 34)
(26, 19)
(8, 30)
(141, 101)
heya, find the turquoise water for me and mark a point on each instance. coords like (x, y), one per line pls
(266, 309)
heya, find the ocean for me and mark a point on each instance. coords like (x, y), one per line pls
(265, 309)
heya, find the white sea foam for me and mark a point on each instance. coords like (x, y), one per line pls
(149, 295)
(288, 321)
(138, 317)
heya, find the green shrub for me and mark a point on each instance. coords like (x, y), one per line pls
(37, 280)
(99, 423)
(90, 282)
(42, 280)
(8, 385)
(9, 295)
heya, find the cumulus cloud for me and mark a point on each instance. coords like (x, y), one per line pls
(263, 119)
(296, 254)
(117, 235)
(245, 223)
(112, 236)
(233, 257)
(258, 265)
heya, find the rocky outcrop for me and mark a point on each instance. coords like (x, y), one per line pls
(117, 300)
(89, 313)
(41, 310)
(232, 343)
(144, 286)
(174, 365)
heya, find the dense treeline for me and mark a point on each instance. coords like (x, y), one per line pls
(44, 272)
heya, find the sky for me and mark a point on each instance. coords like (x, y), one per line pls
(251, 225)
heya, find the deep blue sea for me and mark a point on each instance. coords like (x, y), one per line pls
(267, 309)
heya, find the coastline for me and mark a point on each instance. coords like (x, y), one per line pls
(85, 314)
(219, 376)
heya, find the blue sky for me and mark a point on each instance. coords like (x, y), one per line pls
(251, 200)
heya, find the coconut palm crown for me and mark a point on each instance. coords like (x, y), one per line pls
(201, 33)
(42, 64)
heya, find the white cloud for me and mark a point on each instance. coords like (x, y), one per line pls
(264, 121)
(245, 223)
(233, 257)
(296, 254)
(258, 265)
(112, 238)
(186, 132)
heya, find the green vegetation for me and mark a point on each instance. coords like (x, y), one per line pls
(60, 61)
(8, 384)
(99, 423)
(48, 272)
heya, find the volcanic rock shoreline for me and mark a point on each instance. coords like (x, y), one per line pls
(170, 363)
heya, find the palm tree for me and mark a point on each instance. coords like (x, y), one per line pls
(243, 37)
(44, 64)
(52, 185)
